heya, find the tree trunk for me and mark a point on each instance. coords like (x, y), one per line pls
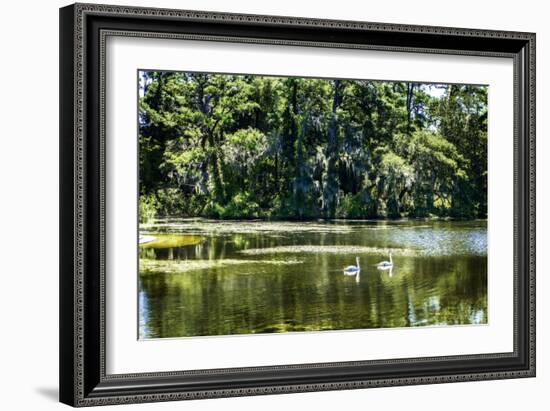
(331, 187)
(409, 100)
(212, 160)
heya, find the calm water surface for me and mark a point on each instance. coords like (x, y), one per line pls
(200, 277)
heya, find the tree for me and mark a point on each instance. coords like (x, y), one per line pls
(243, 146)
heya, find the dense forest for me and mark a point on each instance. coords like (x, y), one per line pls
(247, 146)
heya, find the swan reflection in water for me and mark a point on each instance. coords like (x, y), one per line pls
(385, 266)
(388, 268)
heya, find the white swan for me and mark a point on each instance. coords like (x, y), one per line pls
(352, 269)
(384, 265)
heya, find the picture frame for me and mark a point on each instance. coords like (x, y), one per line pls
(84, 380)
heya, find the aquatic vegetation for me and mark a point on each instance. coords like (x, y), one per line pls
(332, 249)
(171, 240)
(147, 266)
(292, 281)
(292, 326)
(205, 226)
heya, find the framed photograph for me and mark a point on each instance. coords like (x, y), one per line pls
(261, 204)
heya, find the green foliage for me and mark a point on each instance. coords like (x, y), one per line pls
(354, 206)
(398, 177)
(147, 208)
(170, 202)
(242, 146)
(240, 206)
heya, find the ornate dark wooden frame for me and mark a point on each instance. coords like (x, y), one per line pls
(83, 32)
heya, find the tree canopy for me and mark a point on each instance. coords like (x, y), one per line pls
(247, 146)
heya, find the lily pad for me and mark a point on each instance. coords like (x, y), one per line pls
(212, 227)
(332, 249)
(170, 240)
(147, 266)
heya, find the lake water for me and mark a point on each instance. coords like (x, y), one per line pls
(201, 277)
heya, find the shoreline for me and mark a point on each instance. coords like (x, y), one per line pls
(319, 220)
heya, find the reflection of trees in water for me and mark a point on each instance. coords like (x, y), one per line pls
(312, 296)
(437, 291)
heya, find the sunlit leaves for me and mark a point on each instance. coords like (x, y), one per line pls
(244, 147)
(220, 145)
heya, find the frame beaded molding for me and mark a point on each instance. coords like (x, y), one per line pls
(80, 12)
